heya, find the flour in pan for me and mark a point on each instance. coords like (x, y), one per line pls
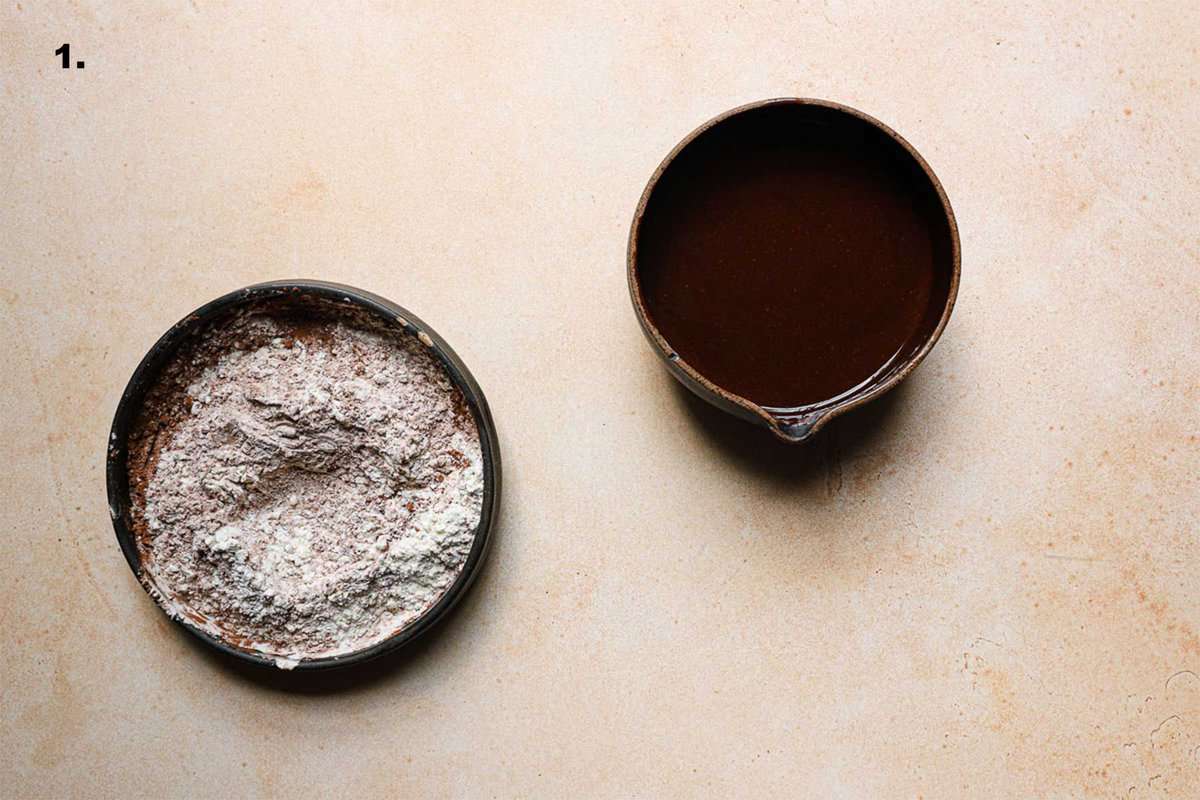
(321, 492)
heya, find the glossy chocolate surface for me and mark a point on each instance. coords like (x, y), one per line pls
(794, 255)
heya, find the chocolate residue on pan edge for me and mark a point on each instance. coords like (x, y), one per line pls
(305, 481)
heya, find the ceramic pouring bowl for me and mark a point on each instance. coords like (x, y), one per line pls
(796, 424)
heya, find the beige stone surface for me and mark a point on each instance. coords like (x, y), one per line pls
(984, 586)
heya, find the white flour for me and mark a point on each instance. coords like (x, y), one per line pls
(322, 493)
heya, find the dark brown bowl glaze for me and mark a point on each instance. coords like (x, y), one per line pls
(146, 374)
(842, 148)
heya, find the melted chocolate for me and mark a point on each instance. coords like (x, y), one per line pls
(794, 255)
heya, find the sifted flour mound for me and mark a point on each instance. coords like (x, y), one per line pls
(307, 487)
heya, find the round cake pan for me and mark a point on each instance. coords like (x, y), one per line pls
(146, 374)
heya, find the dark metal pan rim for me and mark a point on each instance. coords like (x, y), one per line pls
(148, 369)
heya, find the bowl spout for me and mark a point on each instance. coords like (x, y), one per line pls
(795, 427)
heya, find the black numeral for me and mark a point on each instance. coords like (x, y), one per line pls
(65, 52)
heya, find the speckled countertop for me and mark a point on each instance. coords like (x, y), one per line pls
(984, 586)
